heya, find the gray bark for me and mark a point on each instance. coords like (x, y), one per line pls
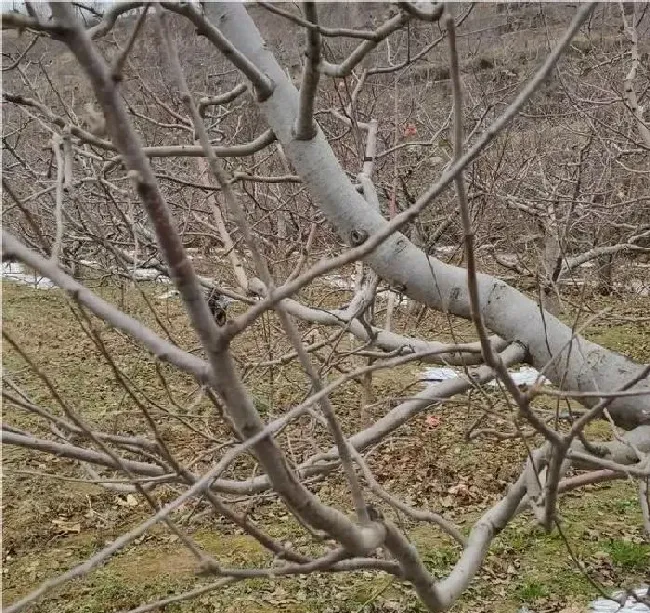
(605, 279)
(576, 363)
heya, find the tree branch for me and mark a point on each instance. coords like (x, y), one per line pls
(306, 127)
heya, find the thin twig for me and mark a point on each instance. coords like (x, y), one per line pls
(120, 59)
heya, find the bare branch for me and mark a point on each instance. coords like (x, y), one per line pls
(58, 121)
(259, 143)
(382, 32)
(305, 125)
(324, 31)
(163, 350)
(57, 145)
(262, 84)
(421, 11)
(224, 98)
(120, 59)
(110, 18)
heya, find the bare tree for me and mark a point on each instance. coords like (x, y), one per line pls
(291, 184)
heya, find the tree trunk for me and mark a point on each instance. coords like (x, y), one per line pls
(605, 279)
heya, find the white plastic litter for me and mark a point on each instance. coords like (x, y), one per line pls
(172, 293)
(15, 271)
(339, 282)
(526, 375)
(139, 274)
(631, 604)
(435, 374)
(400, 299)
(149, 274)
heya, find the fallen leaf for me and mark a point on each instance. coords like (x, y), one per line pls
(410, 130)
(129, 501)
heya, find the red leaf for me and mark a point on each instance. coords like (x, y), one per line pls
(432, 421)
(410, 130)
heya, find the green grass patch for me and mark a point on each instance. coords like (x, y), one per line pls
(628, 555)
